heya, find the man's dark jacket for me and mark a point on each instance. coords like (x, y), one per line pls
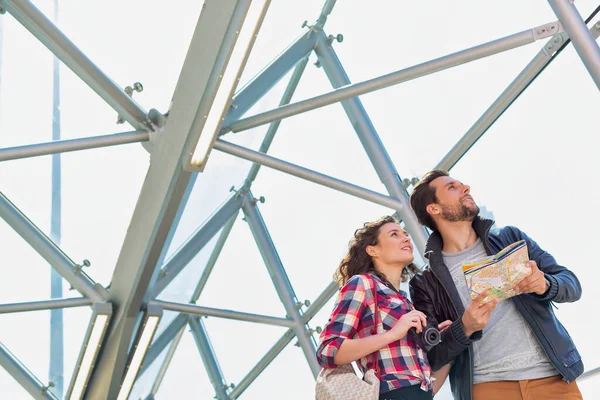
(434, 293)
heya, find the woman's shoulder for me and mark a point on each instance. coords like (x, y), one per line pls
(360, 282)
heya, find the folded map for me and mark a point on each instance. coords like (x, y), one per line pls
(498, 272)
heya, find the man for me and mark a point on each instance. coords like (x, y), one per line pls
(512, 349)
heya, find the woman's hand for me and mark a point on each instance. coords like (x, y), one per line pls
(414, 319)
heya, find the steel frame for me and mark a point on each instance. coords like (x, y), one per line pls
(141, 273)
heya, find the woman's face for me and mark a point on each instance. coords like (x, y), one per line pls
(394, 246)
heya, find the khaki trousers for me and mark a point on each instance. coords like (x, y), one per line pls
(552, 388)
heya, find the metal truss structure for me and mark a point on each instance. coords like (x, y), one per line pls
(119, 344)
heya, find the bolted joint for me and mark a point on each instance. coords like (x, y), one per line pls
(300, 304)
(136, 87)
(46, 389)
(409, 182)
(547, 30)
(261, 200)
(79, 267)
(338, 38)
(317, 330)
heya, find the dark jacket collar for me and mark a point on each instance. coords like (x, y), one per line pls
(433, 250)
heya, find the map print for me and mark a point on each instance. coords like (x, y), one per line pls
(499, 272)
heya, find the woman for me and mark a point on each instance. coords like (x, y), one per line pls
(380, 255)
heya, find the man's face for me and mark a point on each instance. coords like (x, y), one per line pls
(454, 200)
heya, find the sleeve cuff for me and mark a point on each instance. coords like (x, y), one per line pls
(552, 291)
(326, 354)
(458, 331)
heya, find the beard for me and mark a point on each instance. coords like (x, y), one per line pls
(459, 212)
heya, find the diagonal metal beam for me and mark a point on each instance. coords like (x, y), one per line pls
(22, 375)
(186, 253)
(370, 140)
(262, 364)
(307, 174)
(161, 193)
(64, 146)
(508, 97)
(583, 41)
(394, 78)
(163, 341)
(269, 77)
(165, 364)
(287, 337)
(59, 44)
(208, 358)
(195, 296)
(270, 135)
(212, 260)
(280, 280)
(49, 251)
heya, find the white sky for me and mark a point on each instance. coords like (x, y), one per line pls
(536, 163)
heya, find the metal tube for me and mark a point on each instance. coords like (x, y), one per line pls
(166, 362)
(589, 374)
(22, 375)
(320, 301)
(186, 253)
(280, 280)
(394, 78)
(220, 313)
(202, 282)
(208, 358)
(285, 99)
(56, 370)
(307, 174)
(327, 9)
(506, 99)
(64, 146)
(582, 39)
(214, 256)
(371, 142)
(45, 305)
(48, 250)
(254, 90)
(59, 44)
(262, 364)
(159, 343)
(502, 103)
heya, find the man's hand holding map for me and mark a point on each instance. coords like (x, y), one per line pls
(498, 273)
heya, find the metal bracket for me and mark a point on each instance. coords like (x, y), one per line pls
(408, 182)
(338, 38)
(79, 268)
(547, 30)
(554, 44)
(46, 389)
(261, 200)
(137, 87)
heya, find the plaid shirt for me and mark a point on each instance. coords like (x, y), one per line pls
(401, 363)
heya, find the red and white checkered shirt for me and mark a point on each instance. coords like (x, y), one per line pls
(401, 363)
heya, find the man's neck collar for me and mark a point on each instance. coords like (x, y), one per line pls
(457, 236)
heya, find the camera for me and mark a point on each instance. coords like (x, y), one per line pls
(429, 337)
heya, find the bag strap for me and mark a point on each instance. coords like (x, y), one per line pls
(375, 361)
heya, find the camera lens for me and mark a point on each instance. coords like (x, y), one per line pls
(431, 336)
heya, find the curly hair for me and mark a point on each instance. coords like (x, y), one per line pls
(357, 261)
